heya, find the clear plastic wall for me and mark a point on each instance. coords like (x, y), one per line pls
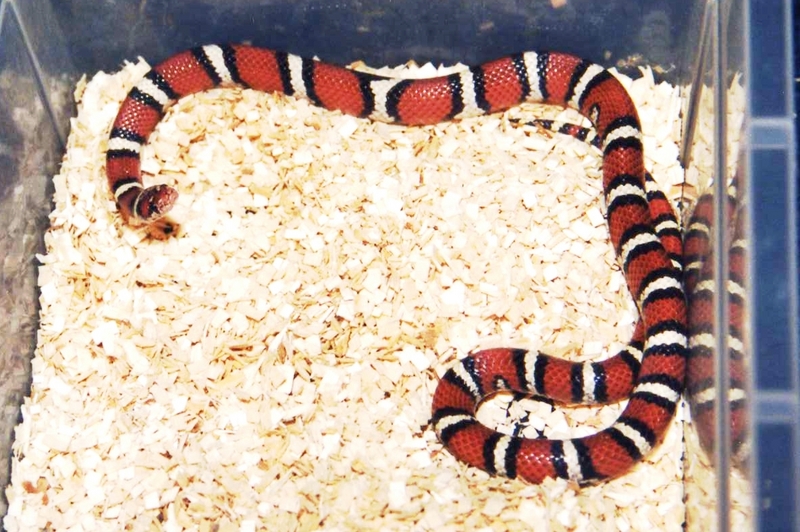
(709, 49)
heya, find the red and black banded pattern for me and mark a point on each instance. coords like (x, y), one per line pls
(649, 372)
(665, 222)
(702, 288)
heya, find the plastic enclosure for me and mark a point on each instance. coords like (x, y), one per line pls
(46, 45)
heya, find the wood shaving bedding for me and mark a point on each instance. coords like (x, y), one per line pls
(27, 161)
(273, 366)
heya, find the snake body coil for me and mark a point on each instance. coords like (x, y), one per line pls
(649, 372)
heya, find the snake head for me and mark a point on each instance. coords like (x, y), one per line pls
(154, 202)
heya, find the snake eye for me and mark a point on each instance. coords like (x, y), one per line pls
(594, 114)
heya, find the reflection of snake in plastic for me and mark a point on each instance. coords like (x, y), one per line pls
(649, 373)
(701, 287)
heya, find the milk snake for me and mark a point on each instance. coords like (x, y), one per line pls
(649, 373)
(701, 292)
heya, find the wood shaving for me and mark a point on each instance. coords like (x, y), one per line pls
(273, 366)
(28, 156)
